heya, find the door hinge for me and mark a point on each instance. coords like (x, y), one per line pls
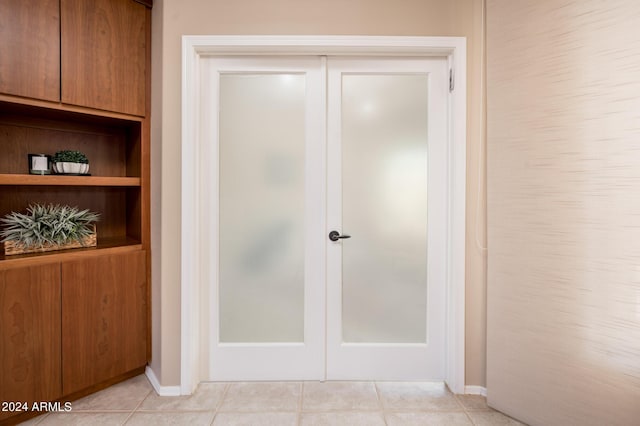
(452, 81)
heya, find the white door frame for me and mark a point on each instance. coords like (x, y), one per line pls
(195, 269)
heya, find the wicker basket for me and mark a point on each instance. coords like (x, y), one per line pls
(11, 248)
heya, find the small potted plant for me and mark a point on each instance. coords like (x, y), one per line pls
(48, 227)
(70, 162)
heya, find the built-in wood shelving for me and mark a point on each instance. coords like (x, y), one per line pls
(62, 180)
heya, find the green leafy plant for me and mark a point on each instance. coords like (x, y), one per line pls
(70, 157)
(48, 224)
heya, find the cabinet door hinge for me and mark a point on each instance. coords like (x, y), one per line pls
(452, 81)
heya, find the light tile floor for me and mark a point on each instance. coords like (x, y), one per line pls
(134, 402)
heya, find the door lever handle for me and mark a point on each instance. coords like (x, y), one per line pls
(335, 236)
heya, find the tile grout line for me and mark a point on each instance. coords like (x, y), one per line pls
(466, 411)
(380, 404)
(42, 417)
(258, 410)
(464, 408)
(95, 411)
(222, 397)
(137, 406)
(300, 404)
(216, 409)
(38, 419)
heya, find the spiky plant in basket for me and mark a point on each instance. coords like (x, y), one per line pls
(48, 226)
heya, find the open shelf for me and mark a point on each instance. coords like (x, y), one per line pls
(61, 180)
(112, 145)
(114, 190)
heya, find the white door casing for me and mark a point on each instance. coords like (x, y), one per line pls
(198, 201)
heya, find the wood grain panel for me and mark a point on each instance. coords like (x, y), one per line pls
(30, 334)
(30, 48)
(134, 214)
(105, 246)
(564, 211)
(104, 54)
(135, 150)
(63, 180)
(104, 322)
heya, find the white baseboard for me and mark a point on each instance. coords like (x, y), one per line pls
(475, 390)
(161, 390)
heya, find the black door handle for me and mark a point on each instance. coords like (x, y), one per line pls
(335, 236)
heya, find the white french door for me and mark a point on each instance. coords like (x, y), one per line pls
(387, 156)
(267, 304)
(301, 147)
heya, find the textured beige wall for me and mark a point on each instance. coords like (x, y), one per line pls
(304, 17)
(564, 210)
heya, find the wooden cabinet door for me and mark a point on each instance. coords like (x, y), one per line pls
(104, 318)
(30, 335)
(30, 48)
(104, 46)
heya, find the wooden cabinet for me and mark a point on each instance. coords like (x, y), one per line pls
(92, 54)
(104, 328)
(30, 48)
(117, 187)
(104, 45)
(74, 321)
(30, 334)
(68, 326)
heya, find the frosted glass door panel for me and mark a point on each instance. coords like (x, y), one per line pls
(261, 251)
(384, 202)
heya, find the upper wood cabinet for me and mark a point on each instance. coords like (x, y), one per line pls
(84, 53)
(30, 48)
(104, 52)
